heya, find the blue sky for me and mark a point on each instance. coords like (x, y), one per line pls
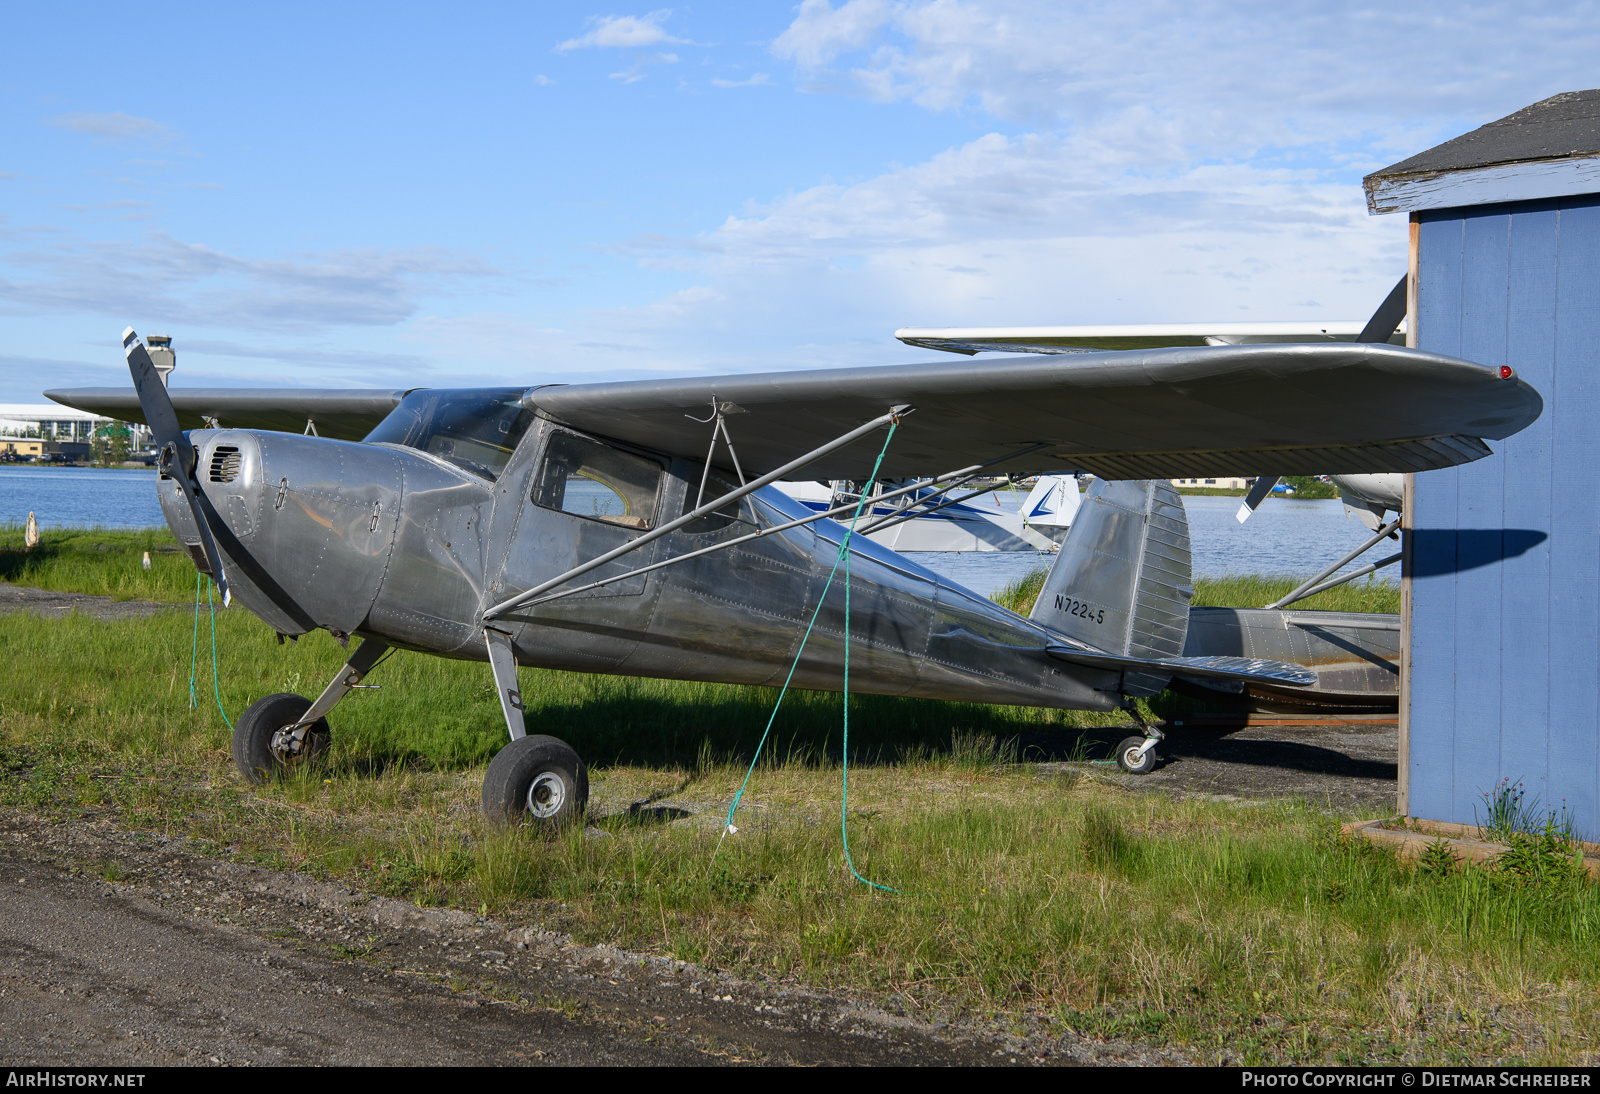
(404, 195)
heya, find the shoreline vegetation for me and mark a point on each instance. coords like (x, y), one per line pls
(1032, 896)
(125, 465)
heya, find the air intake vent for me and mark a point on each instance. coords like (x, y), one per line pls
(224, 463)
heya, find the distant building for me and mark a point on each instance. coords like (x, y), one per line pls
(1213, 484)
(20, 448)
(53, 422)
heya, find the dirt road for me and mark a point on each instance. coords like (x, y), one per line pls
(121, 949)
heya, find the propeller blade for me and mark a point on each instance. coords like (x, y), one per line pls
(178, 456)
(1386, 320)
(1258, 494)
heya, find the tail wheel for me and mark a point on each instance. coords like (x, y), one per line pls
(262, 747)
(1134, 761)
(537, 779)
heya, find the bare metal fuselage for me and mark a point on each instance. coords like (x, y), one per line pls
(391, 543)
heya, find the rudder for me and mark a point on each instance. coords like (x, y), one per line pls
(1124, 577)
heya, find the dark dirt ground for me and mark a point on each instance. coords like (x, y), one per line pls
(54, 605)
(127, 948)
(1351, 770)
(182, 959)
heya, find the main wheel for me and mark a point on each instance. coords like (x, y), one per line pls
(255, 752)
(539, 779)
(1129, 759)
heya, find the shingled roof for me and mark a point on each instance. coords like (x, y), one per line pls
(1564, 127)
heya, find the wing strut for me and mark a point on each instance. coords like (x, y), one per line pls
(1311, 587)
(894, 415)
(959, 477)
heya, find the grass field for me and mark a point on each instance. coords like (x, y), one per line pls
(100, 562)
(1033, 896)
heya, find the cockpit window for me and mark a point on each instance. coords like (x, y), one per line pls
(475, 430)
(580, 475)
(717, 519)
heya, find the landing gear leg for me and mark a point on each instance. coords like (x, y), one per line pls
(1137, 755)
(284, 731)
(539, 779)
(504, 665)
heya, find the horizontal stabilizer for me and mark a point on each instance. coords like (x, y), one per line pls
(1213, 668)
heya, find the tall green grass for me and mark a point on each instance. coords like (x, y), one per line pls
(1248, 934)
(99, 562)
(127, 684)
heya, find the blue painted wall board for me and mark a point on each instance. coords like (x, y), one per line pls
(1575, 527)
(1480, 508)
(1432, 667)
(1530, 496)
(1505, 584)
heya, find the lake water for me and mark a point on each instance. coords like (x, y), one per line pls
(75, 497)
(1284, 536)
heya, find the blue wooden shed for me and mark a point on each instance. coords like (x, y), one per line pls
(1500, 675)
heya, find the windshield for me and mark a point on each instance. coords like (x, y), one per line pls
(475, 430)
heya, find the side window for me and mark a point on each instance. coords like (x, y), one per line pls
(590, 479)
(717, 519)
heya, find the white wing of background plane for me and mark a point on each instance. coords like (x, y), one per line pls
(970, 340)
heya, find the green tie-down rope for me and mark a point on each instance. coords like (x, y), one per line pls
(842, 557)
(194, 648)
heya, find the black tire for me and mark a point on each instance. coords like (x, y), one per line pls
(252, 738)
(536, 779)
(1129, 760)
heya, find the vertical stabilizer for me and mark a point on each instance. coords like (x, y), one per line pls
(1123, 579)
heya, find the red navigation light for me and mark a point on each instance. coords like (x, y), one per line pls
(1505, 372)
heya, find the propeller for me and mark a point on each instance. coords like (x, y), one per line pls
(1386, 320)
(1258, 494)
(1380, 328)
(178, 457)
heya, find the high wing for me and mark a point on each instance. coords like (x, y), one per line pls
(344, 414)
(1224, 410)
(971, 340)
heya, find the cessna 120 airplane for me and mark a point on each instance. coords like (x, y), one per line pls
(601, 527)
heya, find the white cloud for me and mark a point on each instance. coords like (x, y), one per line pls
(111, 128)
(170, 280)
(640, 68)
(760, 79)
(624, 32)
(820, 32)
(1185, 162)
(1032, 229)
(1234, 75)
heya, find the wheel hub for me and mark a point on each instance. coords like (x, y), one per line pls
(286, 745)
(547, 795)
